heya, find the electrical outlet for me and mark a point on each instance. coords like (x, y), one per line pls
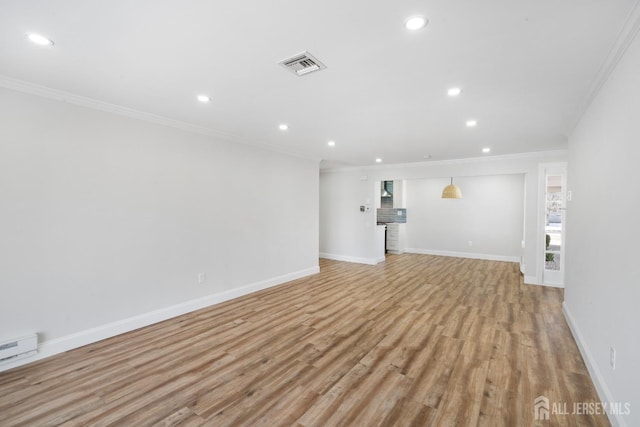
(202, 277)
(612, 357)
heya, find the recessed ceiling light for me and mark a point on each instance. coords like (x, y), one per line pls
(454, 91)
(472, 123)
(378, 160)
(283, 126)
(486, 150)
(40, 40)
(415, 23)
(204, 98)
(331, 143)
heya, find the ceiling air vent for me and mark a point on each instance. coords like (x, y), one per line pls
(302, 64)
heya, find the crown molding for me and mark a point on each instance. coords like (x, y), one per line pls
(539, 155)
(86, 102)
(83, 101)
(626, 36)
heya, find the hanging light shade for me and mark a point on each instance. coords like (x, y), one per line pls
(451, 191)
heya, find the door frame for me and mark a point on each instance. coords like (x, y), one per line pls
(543, 169)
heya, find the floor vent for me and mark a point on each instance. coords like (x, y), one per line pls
(302, 64)
(19, 348)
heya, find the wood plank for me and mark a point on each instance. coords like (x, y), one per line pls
(418, 340)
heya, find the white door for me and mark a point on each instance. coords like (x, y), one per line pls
(554, 225)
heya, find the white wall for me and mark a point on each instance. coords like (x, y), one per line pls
(602, 290)
(490, 216)
(105, 219)
(347, 234)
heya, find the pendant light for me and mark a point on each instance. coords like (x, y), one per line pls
(451, 191)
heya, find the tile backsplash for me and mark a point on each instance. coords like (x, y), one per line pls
(392, 215)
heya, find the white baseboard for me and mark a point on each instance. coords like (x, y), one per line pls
(533, 280)
(358, 260)
(487, 257)
(601, 386)
(82, 338)
(553, 285)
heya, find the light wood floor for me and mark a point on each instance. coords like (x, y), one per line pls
(419, 340)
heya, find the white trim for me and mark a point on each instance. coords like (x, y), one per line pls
(347, 258)
(83, 101)
(553, 284)
(543, 170)
(601, 386)
(483, 159)
(531, 280)
(624, 39)
(540, 226)
(86, 102)
(82, 338)
(488, 257)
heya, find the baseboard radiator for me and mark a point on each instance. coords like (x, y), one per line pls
(19, 348)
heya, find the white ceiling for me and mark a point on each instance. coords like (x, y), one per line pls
(526, 68)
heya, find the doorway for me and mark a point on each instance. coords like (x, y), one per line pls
(555, 183)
